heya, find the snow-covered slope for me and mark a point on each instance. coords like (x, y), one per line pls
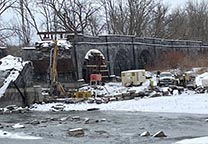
(10, 67)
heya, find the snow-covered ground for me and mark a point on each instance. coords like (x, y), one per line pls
(201, 140)
(184, 103)
(187, 102)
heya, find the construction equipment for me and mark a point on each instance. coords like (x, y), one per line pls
(82, 94)
(133, 77)
(56, 87)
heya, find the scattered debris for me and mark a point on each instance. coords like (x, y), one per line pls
(90, 121)
(65, 118)
(18, 125)
(92, 109)
(145, 134)
(77, 132)
(35, 122)
(159, 134)
(103, 120)
(58, 107)
(76, 118)
(11, 107)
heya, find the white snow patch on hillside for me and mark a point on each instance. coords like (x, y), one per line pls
(10, 67)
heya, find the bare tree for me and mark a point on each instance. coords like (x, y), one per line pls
(159, 21)
(47, 14)
(23, 30)
(95, 26)
(25, 21)
(130, 17)
(190, 22)
(140, 15)
(177, 28)
(6, 31)
(197, 14)
(72, 15)
(5, 4)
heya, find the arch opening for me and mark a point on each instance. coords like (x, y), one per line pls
(94, 63)
(145, 60)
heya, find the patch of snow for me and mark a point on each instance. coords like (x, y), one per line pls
(60, 42)
(64, 43)
(18, 125)
(200, 140)
(201, 77)
(185, 103)
(8, 135)
(10, 66)
(89, 53)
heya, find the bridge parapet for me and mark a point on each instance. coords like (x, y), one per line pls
(132, 39)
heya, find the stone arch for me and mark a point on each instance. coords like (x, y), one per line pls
(122, 62)
(94, 63)
(145, 59)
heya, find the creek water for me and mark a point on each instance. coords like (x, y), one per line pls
(112, 127)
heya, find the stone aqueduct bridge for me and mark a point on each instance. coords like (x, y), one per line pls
(130, 52)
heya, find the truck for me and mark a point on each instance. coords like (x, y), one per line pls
(166, 78)
(133, 77)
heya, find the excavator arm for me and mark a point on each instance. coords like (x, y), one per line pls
(56, 87)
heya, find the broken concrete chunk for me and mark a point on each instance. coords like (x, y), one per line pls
(6, 111)
(11, 107)
(90, 121)
(23, 110)
(113, 99)
(53, 119)
(18, 125)
(144, 134)
(76, 118)
(43, 121)
(65, 118)
(141, 94)
(103, 120)
(86, 121)
(159, 134)
(91, 100)
(132, 91)
(58, 107)
(77, 132)
(1, 110)
(155, 94)
(35, 122)
(126, 94)
(98, 101)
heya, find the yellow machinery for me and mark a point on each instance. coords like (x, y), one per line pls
(82, 94)
(56, 87)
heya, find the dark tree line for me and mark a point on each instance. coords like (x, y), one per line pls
(143, 18)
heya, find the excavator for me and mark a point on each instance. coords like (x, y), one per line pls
(55, 87)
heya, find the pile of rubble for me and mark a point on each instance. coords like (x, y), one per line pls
(11, 109)
(125, 95)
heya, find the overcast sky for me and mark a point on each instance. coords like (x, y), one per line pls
(178, 3)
